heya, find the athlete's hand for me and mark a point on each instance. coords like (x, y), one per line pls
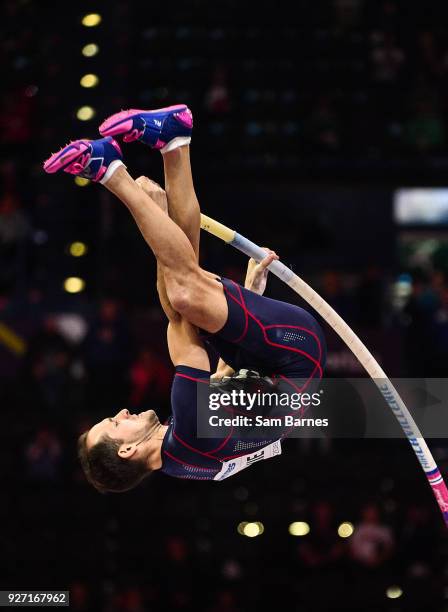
(257, 273)
(154, 190)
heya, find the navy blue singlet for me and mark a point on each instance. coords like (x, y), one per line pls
(274, 338)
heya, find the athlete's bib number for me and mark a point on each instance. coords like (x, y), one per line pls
(231, 467)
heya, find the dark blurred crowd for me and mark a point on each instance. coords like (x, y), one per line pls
(368, 560)
(174, 545)
(320, 93)
(179, 546)
(339, 78)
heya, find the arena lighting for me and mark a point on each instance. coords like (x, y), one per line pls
(299, 528)
(250, 530)
(394, 592)
(91, 20)
(85, 113)
(78, 249)
(90, 50)
(81, 182)
(345, 530)
(241, 527)
(89, 80)
(74, 284)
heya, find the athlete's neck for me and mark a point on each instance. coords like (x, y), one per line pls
(154, 460)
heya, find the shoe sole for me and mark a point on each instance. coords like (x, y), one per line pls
(63, 158)
(120, 123)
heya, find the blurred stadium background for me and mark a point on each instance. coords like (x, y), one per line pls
(321, 132)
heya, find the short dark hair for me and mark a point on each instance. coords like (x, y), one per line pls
(106, 470)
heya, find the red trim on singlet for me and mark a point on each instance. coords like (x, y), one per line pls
(208, 454)
(317, 365)
(202, 380)
(246, 326)
(247, 314)
(311, 333)
(301, 412)
(299, 389)
(224, 442)
(270, 343)
(182, 462)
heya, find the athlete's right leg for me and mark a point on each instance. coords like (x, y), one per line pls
(183, 203)
(195, 295)
(168, 130)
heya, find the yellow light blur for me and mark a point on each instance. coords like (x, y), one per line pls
(91, 20)
(78, 249)
(89, 80)
(394, 592)
(81, 182)
(345, 530)
(241, 527)
(260, 527)
(252, 530)
(74, 284)
(85, 113)
(299, 528)
(90, 50)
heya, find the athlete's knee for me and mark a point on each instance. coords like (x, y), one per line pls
(179, 297)
(182, 289)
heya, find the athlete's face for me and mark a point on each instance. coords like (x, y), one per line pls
(124, 426)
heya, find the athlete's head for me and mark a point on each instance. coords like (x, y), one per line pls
(115, 453)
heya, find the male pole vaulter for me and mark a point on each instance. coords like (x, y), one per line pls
(270, 337)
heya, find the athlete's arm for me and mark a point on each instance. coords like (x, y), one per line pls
(185, 347)
(257, 273)
(222, 370)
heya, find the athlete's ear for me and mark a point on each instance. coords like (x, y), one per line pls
(127, 450)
